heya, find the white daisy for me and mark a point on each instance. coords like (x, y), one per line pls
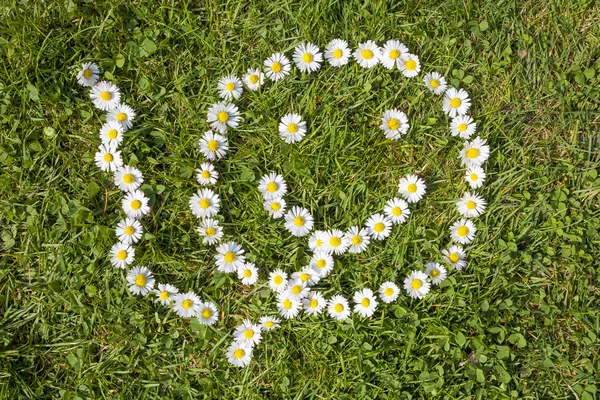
(247, 333)
(475, 176)
(239, 354)
(435, 82)
(129, 230)
(88, 75)
(391, 53)
(272, 185)
(436, 272)
(111, 134)
(409, 65)
(248, 273)
(412, 188)
(222, 115)
(379, 226)
(275, 207)
(210, 230)
(471, 205)
(367, 54)
(417, 284)
(207, 313)
(205, 203)
(123, 114)
(337, 52)
(463, 126)
(165, 294)
(314, 303)
(365, 303)
(105, 95)
(474, 153)
(230, 87)
(277, 67)
(207, 174)
(316, 240)
(140, 280)
(288, 305)
(186, 305)
(358, 238)
(297, 289)
(309, 276)
(322, 263)
(135, 204)
(128, 178)
(463, 231)
(455, 256)
(278, 280)
(230, 257)
(307, 57)
(397, 210)
(269, 323)
(108, 158)
(456, 102)
(298, 221)
(213, 145)
(388, 292)
(253, 79)
(121, 255)
(335, 242)
(291, 128)
(394, 123)
(338, 308)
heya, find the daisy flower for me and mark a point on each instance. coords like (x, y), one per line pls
(391, 53)
(165, 294)
(463, 126)
(135, 204)
(367, 54)
(239, 354)
(111, 134)
(288, 305)
(417, 285)
(88, 75)
(297, 289)
(436, 272)
(394, 123)
(107, 158)
(105, 95)
(129, 230)
(475, 176)
(338, 308)
(307, 57)
(207, 174)
(278, 280)
(455, 256)
(388, 292)
(253, 79)
(205, 203)
(277, 67)
(248, 273)
(435, 82)
(269, 323)
(207, 313)
(379, 226)
(412, 188)
(275, 207)
(186, 305)
(335, 242)
(409, 65)
(337, 53)
(230, 258)
(474, 153)
(322, 263)
(463, 231)
(291, 128)
(456, 102)
(397, 210)
(230, 87)
(210, 230)
(358, 238)
(316, 240)
(309, 276)
(123, 114)
(365, 303)
(272, 185)
(471, 205)
(213, 145)
(128, 178)
(121, 255)
(222, 115)
(298, 221)
(140, 280)
(314, 303)
(247, 333)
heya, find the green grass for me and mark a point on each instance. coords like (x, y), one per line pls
(520, 322)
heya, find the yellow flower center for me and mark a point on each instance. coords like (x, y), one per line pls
(412, 188)
(230, 86)
(205, 203)
(164, 295)
(108, 157)
(337, 53)
(276, 67)
(136, 205)
(473, 153)
(388, 292)
(121, 117)
(187, 303)
(121, 255)
(357, 240)
(247, 273)
(305, 277)
(319, 243)
(253, 78)
(335, 241)
(206, 313)
(205, 174)
(473, 177)
(434, 83)
(463, 231)
(435, 273)
(338, 308)
(213, 145)
(307, 57)
(416, 284)
(365, 302)
(321, 263)
(128, 178)
(269, 324)
(287, 304)
(229, 257)
(249, 334)
(87, 74)
(396, 211)
(394, 54)
(129, 230)
(299, 221)
(223, 116)
(106, 96)
(272, 187)
(314, 303)
(379, 227)
(471, 205)
(411, 65)
(140, 280)
(210, 231)
(366, 54)
(393, 124)
(292, 128)
(454, 257)
(112, 134)
(455, 102)
(278, 280)
(462, 127)
(275, 206)
(296, 289)
(239, 353)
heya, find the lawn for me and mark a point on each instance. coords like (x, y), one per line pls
(521, 321)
